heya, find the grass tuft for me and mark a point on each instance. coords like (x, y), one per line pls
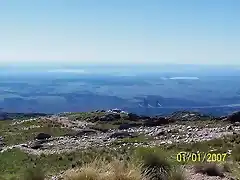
(102, 170)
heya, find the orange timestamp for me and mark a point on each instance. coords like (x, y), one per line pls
(201, 157)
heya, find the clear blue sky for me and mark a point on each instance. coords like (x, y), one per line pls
(120, 31)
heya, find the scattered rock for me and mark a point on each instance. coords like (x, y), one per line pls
(121, 135)
(95, 119)
(35, 145)
(187, 116)
(1, 141)
(229, 128)
(161, 133)
(86, 132)
(236, 124)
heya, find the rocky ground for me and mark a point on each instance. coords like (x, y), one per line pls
(84, 136)
(115, 129)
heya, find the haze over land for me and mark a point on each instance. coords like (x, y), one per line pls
(140, 89)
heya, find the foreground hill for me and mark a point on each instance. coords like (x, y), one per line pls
(59, 143)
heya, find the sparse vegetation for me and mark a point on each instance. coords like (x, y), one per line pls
(101, 170)
(120, 160)
(20, 133)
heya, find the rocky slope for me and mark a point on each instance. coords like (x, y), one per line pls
(147, 131)
(113, 130)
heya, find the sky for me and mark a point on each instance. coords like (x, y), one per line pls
(120, 31)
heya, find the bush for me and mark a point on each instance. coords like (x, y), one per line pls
(155, 163)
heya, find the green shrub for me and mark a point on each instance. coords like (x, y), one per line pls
(34, 173)
(155, 163)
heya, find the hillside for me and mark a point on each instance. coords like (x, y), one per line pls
(57, 143)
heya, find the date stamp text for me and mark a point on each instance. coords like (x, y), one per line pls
(201, 157)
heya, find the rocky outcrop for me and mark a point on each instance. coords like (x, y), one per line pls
(158, 131)
(235, 117)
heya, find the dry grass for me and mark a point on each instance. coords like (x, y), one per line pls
(103, 170)
(151, 166)
(176, 174)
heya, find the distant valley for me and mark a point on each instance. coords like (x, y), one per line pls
(141, 90)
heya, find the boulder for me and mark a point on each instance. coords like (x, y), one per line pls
(235, 117)
(43, 136)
